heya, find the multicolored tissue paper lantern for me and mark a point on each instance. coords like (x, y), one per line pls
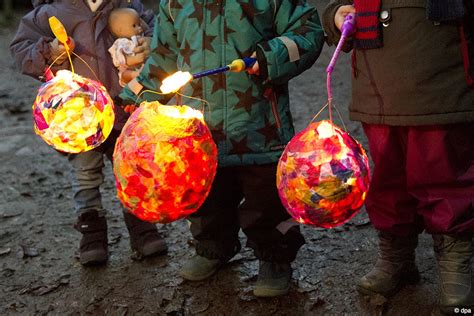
(164, 162)
(323, 176)
(72, 113)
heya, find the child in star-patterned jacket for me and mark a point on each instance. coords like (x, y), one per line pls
(250, 120)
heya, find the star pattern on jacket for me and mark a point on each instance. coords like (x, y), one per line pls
(207, 42)
(217, 132)
(218, 82)
(157, 72)
(187, 52)
(163, 50)
(240, 148)
(246, 99)
(196, 86)
(174, 4)
(198, 13)
(227, 31)
(270, 131)
(215, 7)
(248, 11)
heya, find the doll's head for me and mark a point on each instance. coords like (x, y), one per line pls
(125, 22)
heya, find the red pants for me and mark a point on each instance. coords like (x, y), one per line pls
(423, 178)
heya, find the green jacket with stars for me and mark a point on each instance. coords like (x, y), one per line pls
(249, 116)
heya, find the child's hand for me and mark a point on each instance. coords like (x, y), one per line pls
(142, 51)
(341, 14)
(255, 69)
(58, 51)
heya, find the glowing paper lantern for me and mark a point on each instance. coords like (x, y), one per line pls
(164, 162)
(323, 176)
(72, 113)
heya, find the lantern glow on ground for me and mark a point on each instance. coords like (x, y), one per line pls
(164, 162)
(323, 176)
(72, 113)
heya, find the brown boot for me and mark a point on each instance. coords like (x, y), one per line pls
(93, 245)
(145, 240)
(394, 268)
(453, 256)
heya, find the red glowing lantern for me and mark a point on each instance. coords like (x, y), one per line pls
(72, 113)
(164, 162)
(323, 176)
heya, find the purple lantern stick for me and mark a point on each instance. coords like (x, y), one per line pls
(347, 29)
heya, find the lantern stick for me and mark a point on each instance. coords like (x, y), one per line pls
(60, 33)
(347, 29)
(174, 82)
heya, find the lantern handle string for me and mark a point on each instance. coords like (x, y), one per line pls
(198, 99)
(337, 111)
(93, 72)
(179, 94)
(72, 66)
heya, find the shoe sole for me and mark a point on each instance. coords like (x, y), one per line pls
(196, 278)
(268, 292)
(140, 255)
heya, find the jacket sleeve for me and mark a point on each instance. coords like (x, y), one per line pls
(146, 15)
(30, 46)
(333, 33)
(298, 45)
(160, 64)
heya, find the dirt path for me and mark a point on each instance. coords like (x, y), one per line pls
(40, 273)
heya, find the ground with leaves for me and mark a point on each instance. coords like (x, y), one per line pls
(40, 273)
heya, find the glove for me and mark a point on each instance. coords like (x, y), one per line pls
(58, 51)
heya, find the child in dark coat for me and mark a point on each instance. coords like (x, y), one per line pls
(34, 49)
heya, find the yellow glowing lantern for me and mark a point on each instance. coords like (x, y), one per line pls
(164, 162)
(72, 113)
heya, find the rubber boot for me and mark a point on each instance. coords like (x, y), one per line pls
(199, 268)
(93, 246)
(395, 266)
(145, 240)
(273, 279)
(453, 257)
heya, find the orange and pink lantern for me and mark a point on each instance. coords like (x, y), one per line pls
(164, 162)
(323, 176)
(73, 114)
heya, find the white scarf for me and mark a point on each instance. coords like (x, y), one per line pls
(94, 4)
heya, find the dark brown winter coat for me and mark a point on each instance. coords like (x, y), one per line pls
(31, 51)
(419, 76)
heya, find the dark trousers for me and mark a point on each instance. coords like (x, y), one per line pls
(245, 197)
(423, 179)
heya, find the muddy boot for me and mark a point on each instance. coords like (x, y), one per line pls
(453, 255)
(273, 279)
(145, 240)
(394, 268)
(199, 268)
(93, 245)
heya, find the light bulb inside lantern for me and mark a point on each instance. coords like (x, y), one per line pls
(325, 130)
(174, 82)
